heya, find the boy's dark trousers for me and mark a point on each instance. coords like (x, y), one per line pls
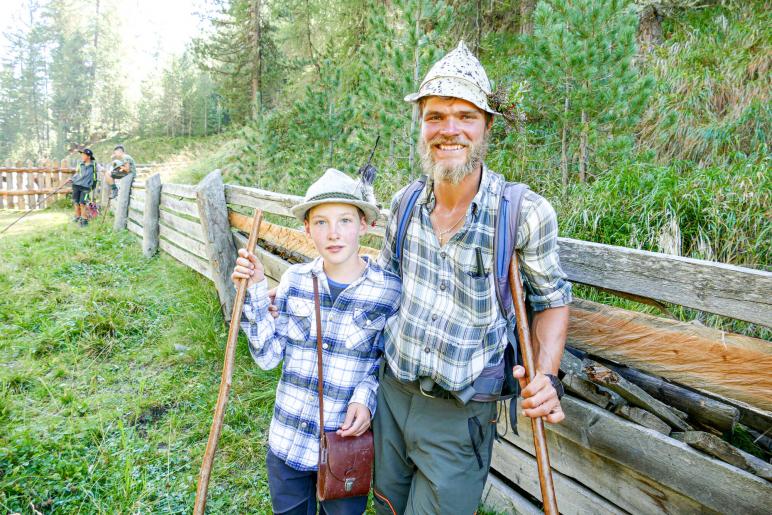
(293, 492)
(432, 454)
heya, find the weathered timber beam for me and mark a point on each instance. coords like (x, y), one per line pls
(728, 290)
(622, 485)
(724, 451)
(634, 394)
(642, 417)
(573, 498)
(662, 459)
(498, 496)
(726, 364)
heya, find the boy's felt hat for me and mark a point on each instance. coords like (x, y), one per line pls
(336, 187)
(459, 75)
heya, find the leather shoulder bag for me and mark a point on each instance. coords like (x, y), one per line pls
(345, 463)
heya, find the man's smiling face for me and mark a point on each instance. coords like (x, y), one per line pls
(453, 138)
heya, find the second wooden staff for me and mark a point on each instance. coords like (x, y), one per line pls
(227, 375)
(537, 424)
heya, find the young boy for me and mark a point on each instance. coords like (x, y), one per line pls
(83, 182)
(356, 298)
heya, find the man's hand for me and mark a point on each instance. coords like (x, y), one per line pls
(357, 420)
(247, 267)
(539, 397)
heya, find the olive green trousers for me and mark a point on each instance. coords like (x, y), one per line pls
(432, 454)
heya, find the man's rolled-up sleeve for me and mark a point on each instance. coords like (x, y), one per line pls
(537, 243)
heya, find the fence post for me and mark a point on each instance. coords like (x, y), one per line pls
(150, 216)
(218, 239)
(104, 193)
(122, 209)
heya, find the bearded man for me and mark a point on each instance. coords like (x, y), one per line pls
(432, 444)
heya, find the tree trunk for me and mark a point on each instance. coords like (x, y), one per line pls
(649, 29)
(583, 151)
(478, 27)
(206, 113)
(564, 145)
(257, 70)
(311, 51)
(416, 79)
(526, 16)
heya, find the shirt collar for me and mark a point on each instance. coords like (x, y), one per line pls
(372, 271)
(486, 186)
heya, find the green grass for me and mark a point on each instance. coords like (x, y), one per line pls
(99, 411)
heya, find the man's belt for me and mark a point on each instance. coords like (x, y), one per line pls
(486, 388)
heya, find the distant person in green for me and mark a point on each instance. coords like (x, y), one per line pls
(123, 164)
(83, 182)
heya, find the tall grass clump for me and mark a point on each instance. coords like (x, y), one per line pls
(712, 99)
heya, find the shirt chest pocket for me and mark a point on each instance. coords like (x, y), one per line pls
(300, 317)
(363, 328)
(475, 292)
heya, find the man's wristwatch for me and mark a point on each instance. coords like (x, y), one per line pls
(557, 385)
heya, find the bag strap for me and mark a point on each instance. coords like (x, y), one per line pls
(504, 241)
(319, 366)
(405, 214)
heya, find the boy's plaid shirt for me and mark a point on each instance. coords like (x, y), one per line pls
(351, 335)
(449, 326)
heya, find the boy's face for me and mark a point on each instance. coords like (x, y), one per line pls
(335, 230)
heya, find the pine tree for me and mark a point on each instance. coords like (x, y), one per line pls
(580, 68)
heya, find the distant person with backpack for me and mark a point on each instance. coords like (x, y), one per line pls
(83, 182)
(445, 364)
(122, 165)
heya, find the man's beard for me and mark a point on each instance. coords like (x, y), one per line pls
(452, 173)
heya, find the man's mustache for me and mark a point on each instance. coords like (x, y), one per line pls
(445, 140)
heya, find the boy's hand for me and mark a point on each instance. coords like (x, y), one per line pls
(539, 397)
(357, 420)
(247, 267)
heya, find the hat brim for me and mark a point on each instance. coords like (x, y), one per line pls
(452, 87)
(371, 212)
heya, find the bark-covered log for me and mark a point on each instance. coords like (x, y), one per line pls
(634, 395)
(701, 409)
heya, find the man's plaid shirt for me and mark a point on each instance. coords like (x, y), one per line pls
(351, 332)
(449, 326)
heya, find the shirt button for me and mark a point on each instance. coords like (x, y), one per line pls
(443, 255)
(367, 322)
(442, 286)
(427, 349)
(304, 425)
(325, 346)
(434, 317)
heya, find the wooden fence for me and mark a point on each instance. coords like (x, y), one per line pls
(611, 454)
(25, 186)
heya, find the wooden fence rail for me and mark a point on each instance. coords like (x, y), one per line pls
(25, 186)
(603, 463)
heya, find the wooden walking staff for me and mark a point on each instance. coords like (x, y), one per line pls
(227, 374)
(537, 424)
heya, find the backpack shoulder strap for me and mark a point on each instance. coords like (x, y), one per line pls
(405, 214)
(504, 241)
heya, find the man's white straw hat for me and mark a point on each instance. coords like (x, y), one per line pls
(460, 75)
